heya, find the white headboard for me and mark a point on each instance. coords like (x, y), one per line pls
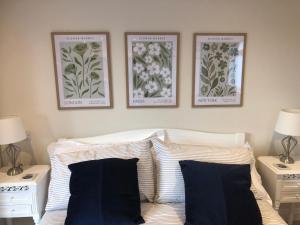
(179, 136)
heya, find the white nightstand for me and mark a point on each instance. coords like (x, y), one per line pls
(24, 198)
(283, 185)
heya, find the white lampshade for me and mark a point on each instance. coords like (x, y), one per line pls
(11, 130)
(288, 122)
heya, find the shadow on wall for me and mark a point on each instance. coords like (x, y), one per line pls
(40, 134)
(251, 141)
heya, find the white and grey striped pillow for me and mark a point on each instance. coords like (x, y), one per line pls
(170, 184)
(58, 196)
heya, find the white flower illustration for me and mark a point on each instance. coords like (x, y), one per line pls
(169, 45)
(151, 86)
(138, 67)
(138, 93)
(168, 80)
(165, 72)
(144, 76)
(139, 48)
(153, 68)
(154, 49)
(166, 92)
(148, 59)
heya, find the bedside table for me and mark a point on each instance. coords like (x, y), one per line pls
(24, 198)
(283, 185)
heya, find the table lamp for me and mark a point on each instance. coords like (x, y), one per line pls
(288, 124)
(12, 131)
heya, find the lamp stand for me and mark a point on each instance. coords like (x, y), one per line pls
(288, 144)
(13, 152)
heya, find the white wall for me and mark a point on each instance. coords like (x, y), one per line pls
(27, 87)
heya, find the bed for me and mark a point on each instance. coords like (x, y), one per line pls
(167, 213)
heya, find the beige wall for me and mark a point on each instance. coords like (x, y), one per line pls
(272, 75)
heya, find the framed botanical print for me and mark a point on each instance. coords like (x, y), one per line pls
(218, 69)
(82, 69)
(152, 69)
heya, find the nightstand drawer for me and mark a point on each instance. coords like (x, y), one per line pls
(290, 198)
(15, 198)
(291, 184)
(290, 191)
(290, 188)
(15, 211)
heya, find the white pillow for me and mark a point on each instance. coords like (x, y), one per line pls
(196, 138)
(70, 152)
(170, 184)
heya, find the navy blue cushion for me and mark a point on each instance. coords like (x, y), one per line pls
(219, 194)
(104, 192)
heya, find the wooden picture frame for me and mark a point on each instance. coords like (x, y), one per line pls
(82, 70)
(218, 69)
(152, 69)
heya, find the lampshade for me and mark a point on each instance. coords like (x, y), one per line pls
(288, 122)
(11, 130)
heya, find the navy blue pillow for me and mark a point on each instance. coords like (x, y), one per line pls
(219, 194)
(104, 192)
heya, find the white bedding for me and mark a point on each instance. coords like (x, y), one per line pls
(172, 214)
(167, 214)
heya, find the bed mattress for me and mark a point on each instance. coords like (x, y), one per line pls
(167, 214)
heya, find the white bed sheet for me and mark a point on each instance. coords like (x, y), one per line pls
(168, 214)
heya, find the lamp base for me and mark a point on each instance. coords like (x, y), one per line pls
(14, 171)
(288, 144)
(287, 159)
(12, 153)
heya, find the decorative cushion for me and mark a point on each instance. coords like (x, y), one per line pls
(170, 185)
(219, 194)
(104, 192)
(65, 153)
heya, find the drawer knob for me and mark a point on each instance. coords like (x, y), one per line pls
(13, 210)
(12, 198)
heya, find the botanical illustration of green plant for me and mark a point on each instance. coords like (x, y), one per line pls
(218, 69)
(82, 70)
(151, 69)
